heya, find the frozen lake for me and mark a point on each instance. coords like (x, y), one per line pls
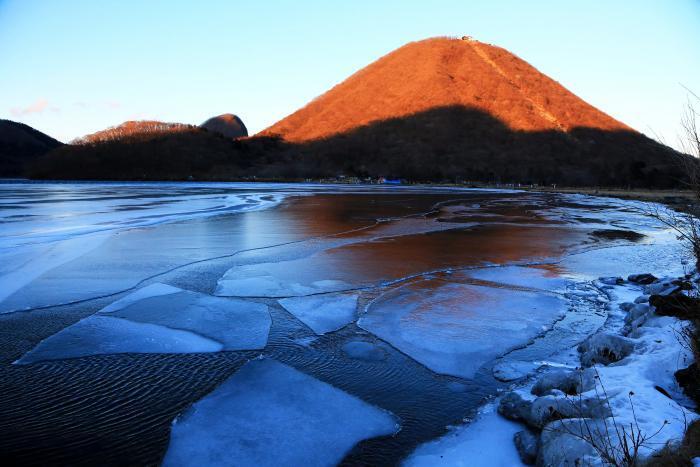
(386, 309)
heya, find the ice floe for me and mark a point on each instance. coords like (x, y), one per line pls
(107, 335)
(270, 414)
(455, 328)
(323, 313)
(272, 280)
(161, 319)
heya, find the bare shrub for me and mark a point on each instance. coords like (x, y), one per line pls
(685, 222)
(617, 443)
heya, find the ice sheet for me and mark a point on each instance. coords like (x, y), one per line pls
(323, 313)
(270, 414)
(455, 328)
(161, 319)
(520, 276)
(43, 226)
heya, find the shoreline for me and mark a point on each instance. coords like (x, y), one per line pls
(564, 414)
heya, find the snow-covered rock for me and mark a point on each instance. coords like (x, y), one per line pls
(605, 348)
(548, 408)
(569, 382)
(561, 444)
(637, 311)
(615, 280)
(514, 407)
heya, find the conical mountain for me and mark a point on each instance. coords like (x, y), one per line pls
(444, 72)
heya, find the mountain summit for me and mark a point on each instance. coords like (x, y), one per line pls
(442, 72)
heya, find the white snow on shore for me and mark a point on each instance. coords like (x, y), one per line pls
(485, 442)
(270, 414)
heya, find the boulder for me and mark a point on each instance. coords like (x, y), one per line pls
(527, 444)
(689, 380)
(643, 279)
(678, 305)
(642, 299)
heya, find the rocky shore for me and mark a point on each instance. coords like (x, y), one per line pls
(628, 398)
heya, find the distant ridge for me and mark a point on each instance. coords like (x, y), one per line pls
(21, 144)
(442, 72)
(132, 128)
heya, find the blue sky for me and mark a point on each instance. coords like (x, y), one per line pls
(72, 67)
